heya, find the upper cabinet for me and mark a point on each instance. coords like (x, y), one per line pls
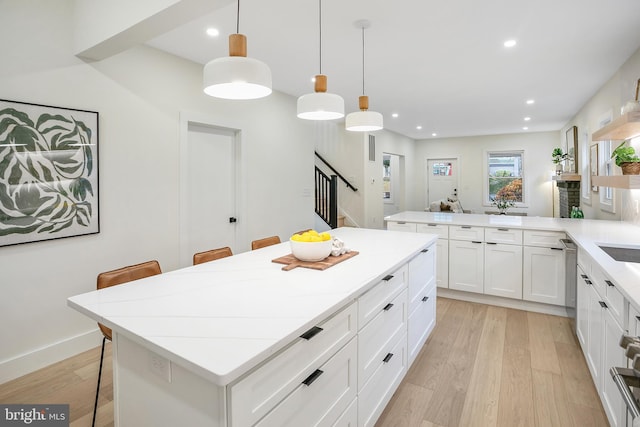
(624, 127)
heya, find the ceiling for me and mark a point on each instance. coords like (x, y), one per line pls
(437, 64)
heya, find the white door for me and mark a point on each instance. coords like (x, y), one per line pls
(442, 179)
(208, 187)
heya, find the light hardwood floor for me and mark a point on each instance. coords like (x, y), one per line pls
(482, 366)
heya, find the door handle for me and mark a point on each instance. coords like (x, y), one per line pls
(311, 378)
(233, 219)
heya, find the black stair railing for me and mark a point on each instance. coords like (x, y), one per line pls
(327, 198)
(336, 172)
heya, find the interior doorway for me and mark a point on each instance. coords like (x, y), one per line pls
(208, 189)
(442, 179)
(392, 179)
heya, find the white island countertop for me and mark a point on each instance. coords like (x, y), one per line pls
(587, 233)
(222, 318)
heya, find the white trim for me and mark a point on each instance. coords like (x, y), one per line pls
(39, 358)
(485, 178)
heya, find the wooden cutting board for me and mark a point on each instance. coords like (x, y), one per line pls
(293, 262)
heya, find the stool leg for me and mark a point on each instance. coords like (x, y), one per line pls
(95, 406)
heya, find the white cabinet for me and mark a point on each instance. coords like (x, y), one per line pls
(509, 236)
(442, 259)
(466, 265)
(594, 338)
(582, 308)
(401, 226)
(422, 302)
(503, 270)
(543, 275)
(612, 355)
(543, 238)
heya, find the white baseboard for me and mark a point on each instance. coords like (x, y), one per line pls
(537, 307)
(39, 358)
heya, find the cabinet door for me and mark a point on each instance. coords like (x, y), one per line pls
(582, 308)
(421, 322)
(442, 262)
(503, 270)
(595, 337)
(613, 355)
(422, 269)
(543, 279)
(466, 266)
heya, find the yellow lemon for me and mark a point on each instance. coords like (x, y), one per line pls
(325, 236)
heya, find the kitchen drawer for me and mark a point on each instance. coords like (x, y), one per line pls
(401, 226)
(584, 261)
(545, 239)
(633, 328)
(466, 232)
(256, 394)
(322, 397)
(421, 321)
(377, 338)
(441, 230)
(599, 280)
(349, 417)
(510, 236)
(615, 301)
(370, 304)
(377, 392)
(422, 271)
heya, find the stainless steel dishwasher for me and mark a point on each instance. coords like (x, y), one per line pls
(570, 275)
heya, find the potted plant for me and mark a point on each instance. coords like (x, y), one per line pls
(625, 157)
(503, 203)
(558, 157)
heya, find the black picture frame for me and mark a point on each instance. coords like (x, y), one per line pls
(48, 172)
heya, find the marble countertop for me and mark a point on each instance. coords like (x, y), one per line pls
(222, 318)
(587, 233)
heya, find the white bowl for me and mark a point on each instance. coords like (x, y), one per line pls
(311, 251)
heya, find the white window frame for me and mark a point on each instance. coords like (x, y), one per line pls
(488, 153)
(607, 194)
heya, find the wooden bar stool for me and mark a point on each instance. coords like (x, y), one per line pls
(117, 277)
(262, 243)
(211, 255)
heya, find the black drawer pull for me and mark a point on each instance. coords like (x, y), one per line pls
(465, 226)
(603, 304)
(311, 378)
(584, 276)
(432, 225)
(387, 277)
(387, 357)
(402, 222)
(637, 317)
(424, 250)
(608, 282)
(388, 307)
(556, 249)
(503, 229)
(489, 243)
(311, 333)
(424, 299)
(588, 282)
(476, 241)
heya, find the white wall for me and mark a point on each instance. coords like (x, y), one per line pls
(471, 152)
(139, 94)
(607, 102)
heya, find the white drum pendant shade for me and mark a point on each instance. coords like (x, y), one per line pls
(364, 121)
(320, 106)
(237, 77)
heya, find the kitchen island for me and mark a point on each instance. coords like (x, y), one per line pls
(238, 341)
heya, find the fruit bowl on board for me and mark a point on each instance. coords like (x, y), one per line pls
(311, 246)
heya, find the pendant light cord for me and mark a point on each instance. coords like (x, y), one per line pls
(320, 26)
(363, 60)
(238, 19)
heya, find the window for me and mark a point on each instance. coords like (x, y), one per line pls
(505, 176)
(607, 203)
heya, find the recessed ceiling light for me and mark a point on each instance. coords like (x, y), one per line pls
(526, 119)
(525, 128)
(213, 32)
(530, 101)
(510, 43)
(434, 134)
(394, 115)
(418, 127)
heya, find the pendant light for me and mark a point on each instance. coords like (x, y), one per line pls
(236, 76)
(363, 120)
(320, 105)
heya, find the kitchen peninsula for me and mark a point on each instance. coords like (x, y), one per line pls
(239, 342)
(517, 262)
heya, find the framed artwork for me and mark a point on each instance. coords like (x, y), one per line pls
(593, 165)
(571, 148)
(48, 172)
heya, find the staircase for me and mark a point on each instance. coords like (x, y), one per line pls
(326, 195)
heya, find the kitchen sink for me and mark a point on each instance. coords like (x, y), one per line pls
(622, 253)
